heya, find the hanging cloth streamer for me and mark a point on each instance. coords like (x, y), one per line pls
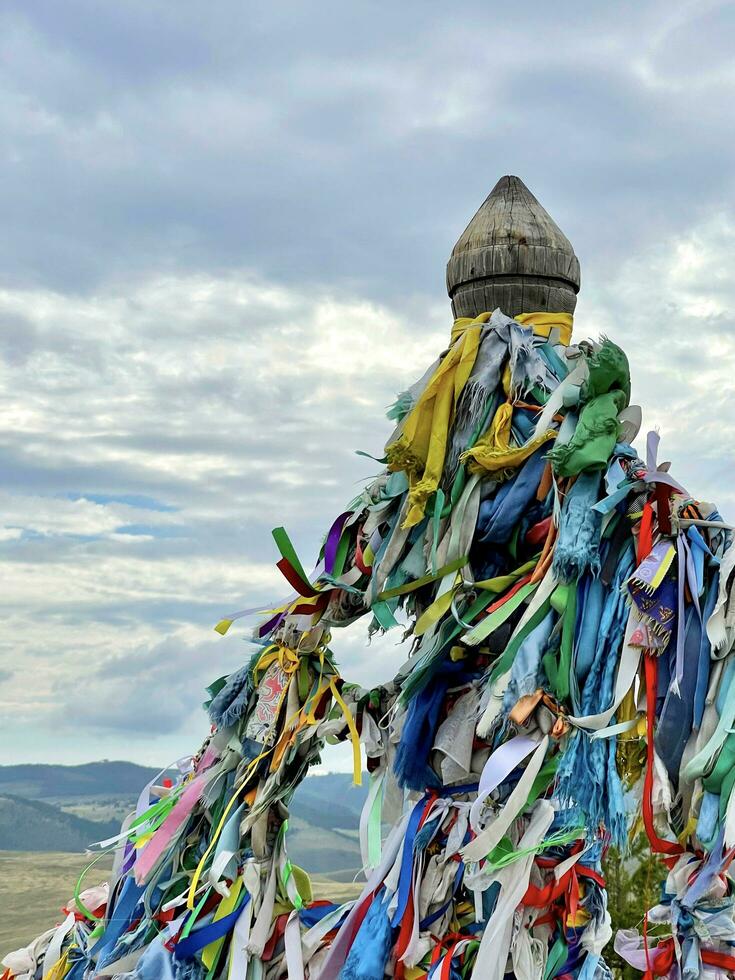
(421, 447)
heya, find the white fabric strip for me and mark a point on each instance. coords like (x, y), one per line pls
(630, 659)
(492, 955)
(485, 841)
(292, 943)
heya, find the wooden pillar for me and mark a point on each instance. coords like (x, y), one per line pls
(514, 256)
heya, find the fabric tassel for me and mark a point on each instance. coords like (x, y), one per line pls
(578, 545)
(371, 946)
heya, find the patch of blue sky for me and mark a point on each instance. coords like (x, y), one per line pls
(150, 530)
(32, 534)
(129, 499)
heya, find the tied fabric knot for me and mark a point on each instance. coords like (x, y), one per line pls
(493, 453)
(421, 447)
(543, 324)
(287, 660)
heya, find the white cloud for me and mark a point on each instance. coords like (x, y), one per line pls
(216, 271)
(232, 405)
(672, 308)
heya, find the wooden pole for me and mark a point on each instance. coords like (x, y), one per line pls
(514, 256)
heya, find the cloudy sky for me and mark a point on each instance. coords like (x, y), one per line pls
(224, 235)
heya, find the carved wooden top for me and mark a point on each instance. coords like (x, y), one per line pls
(513, 255)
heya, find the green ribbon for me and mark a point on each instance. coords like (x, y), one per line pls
(490, 623)
(453, 566)
(78, 889)
(505, 662)
(504, 853)
(436, 525)
(564, 600)
(557, 956)
(287, 550)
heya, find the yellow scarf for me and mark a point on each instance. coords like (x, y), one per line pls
(543, 323)
(493, 453)
(421, 447)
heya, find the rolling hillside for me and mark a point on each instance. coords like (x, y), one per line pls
(66, 808)
(42, 782)
(50, 814)
(30, 825)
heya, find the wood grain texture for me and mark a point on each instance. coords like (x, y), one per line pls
(514, 256)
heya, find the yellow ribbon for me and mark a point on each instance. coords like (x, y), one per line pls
(60, 968)
(287, 660)
(543, 323)
(354, 736)
(190, 898)
(502, 582)
(209, 953)
(493, 452)
(421, 447)
(224, 624)
(462, 322)
(433, 613)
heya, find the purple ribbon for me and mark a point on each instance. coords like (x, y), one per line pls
(653, 475)
(332, 542)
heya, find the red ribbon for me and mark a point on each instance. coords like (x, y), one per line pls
(661, 962)
(723, 960)
(499, 602)
(279, 929)
(404, 933)
(544, 896)
(294, 579)
(658, 844)
(663, 507)
(537, 534)
(314, 607)
(359, 556)
(645, 532)
(664, 956)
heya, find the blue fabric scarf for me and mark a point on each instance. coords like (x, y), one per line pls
(587, 772)
(590, 600)
(675, 722)
(412, 763)
(499, 515)
(578, 545)
(368, 955)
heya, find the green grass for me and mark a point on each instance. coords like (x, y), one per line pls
(35, 886)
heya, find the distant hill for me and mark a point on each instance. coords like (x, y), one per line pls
(29, 825)
(99, 779)
(330, 800)
(57, 808)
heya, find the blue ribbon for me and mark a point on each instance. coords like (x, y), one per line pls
(310, 916)
(119, 916)
(200, 938)
(404, 881)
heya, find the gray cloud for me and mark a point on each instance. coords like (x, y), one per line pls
(224, 237)
(145, 136)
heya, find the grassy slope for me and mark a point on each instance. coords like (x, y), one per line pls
(34, 887)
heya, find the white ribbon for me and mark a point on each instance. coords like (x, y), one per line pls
(630, 659)
(53, 952)
(292, 943)
(492, 956)
(490, 837)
